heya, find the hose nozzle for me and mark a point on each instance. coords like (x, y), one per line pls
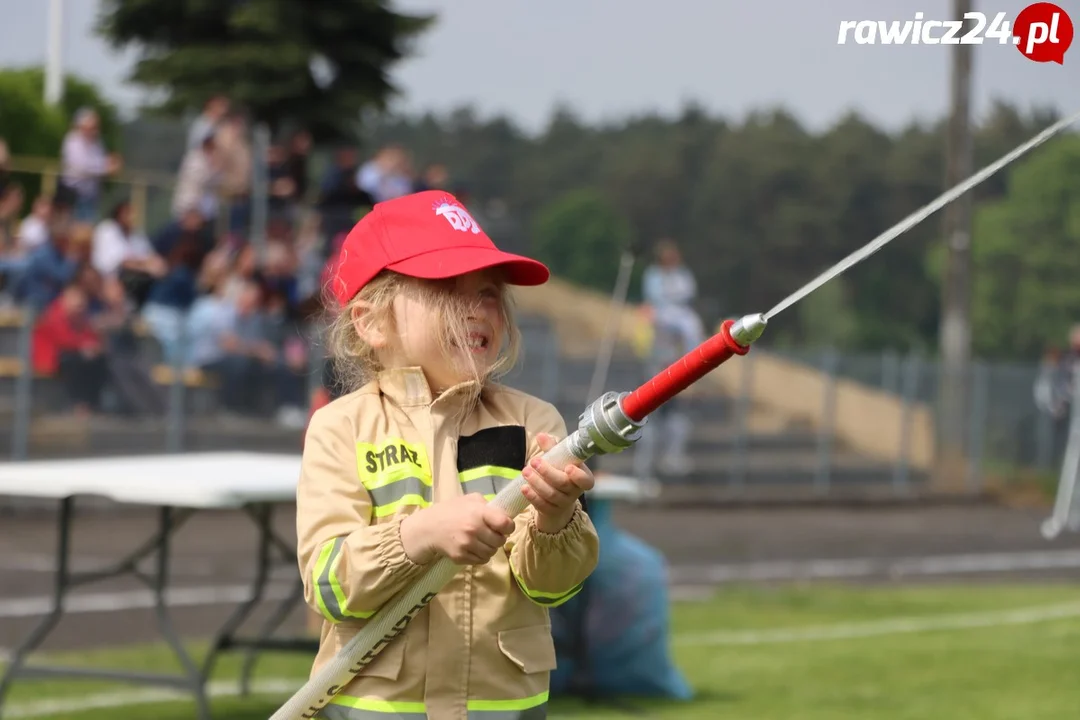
(748, 328)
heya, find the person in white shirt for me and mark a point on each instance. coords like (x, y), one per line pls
(84, 163)
(207, 122)
(119, 251)
(669, 287)
(34, 229)
(198, 181)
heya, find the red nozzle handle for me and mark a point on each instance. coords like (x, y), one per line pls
(683, 373)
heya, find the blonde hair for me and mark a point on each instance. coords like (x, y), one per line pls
(356, 362)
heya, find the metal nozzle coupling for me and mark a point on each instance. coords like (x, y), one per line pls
(605, 427)
(748, 328)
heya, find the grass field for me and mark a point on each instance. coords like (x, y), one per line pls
(811, 653)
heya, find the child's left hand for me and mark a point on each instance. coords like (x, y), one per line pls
(553, 491)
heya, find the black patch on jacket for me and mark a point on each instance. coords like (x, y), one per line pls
(503, 446)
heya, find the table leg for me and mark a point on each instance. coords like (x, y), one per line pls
(225, 637)
(195, 679)
(60, 587)
(284, 609)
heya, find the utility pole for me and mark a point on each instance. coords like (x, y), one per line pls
(54, 54)
(955, 329)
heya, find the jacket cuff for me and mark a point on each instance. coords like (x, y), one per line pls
(391, 551)
(569, 535)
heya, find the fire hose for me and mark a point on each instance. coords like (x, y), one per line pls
(612, 423)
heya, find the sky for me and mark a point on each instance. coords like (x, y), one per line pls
(608, 59)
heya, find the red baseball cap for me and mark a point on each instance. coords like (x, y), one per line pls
(426, 235)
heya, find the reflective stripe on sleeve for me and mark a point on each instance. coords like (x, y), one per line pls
(544, 598)
(329, 594)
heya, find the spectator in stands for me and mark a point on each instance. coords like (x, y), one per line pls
(120, 252)
(114, 320)
(308, 248)
(65, 344)
(208, 121)
(340, 199)
(289, 371)
(280, 264)
(668, 288)
(198, 181)
(387, 175)
(34, 230)
(234, 344)
(190, 227)
(296, 163)
(243, 269)
(283, 190)
(11, 202)
(172, 295)
(52, 266)
(212, 321)
(5, 167)
(1054, 384)
(434, 177)
(85, 162)
(234, 151)
(11, 199)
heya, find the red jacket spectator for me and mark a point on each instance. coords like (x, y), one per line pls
(63, 327)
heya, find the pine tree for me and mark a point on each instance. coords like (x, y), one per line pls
(318, 64)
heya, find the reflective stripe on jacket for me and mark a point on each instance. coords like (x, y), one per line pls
(482, 649)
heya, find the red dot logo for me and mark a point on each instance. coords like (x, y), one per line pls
(1043, 32)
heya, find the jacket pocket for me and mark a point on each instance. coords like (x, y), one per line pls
(387, 664)
(531, 649)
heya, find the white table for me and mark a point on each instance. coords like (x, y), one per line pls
(178, 486)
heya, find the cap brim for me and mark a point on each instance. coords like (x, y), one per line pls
(450, 262)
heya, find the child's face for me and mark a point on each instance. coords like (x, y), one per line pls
(420, 332)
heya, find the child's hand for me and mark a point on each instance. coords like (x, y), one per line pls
(554, 492)
(468, 530)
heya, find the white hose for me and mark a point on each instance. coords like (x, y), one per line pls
(391, 620)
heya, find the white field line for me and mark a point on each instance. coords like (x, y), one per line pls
(881, 567)
(186, 567)
(889, 626)
(138, 599)
(102, 701)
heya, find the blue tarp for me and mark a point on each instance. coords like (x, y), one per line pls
(626, 623)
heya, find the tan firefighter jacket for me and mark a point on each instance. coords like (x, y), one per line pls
(482, 649)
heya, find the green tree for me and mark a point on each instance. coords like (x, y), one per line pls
(1026, 293)
(580, 237)
(318, 64)
(758, 206)
(33, 129)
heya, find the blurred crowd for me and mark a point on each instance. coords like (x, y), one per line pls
(211, 295)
